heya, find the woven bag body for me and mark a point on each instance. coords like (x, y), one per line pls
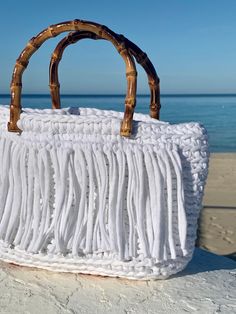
(94, 191)
(78, 197)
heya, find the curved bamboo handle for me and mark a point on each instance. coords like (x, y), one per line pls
(139, 55)
(54, 83)
(54, 30)
(153, 80)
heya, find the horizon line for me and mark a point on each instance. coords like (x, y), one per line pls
(6, 95)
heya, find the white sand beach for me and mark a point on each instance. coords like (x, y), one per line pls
(218, 219)
(221, 181)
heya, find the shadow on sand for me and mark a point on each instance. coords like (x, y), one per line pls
(204, 261)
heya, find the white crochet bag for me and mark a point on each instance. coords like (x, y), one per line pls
(77, 196)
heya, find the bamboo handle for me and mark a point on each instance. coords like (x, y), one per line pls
(139, 55)
(54, 30)
(54, 83)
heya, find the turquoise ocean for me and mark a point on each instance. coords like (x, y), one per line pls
(216, 112)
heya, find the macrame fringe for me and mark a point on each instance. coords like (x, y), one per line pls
(102, 199)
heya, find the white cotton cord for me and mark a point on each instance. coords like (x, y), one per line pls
(153, 196)
(5, 164)
(18, 192)
(163, 208)
(159, 240)
(130, 206)
(71, 213)
(61, 158)
(182, 221)
(64, 188)
(10, 194)
(28, 222)
(36, 210)
(112, 198)
(99, 156)
(44, 170)
(120, 203)
(162, 160)
(15, 208)
(149, 225)
(74, 201)
(2, 172)
(81, 174)
(96, 241)
(67, 217)
(135, 201)
(23, 209)
(55, 247)
(182, 208)
(35, 197)
(2, 145)
(5, 182)
(90, 222)
(169, 225)
(141, 219)
(27, 235)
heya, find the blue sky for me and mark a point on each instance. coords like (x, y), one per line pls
(192, 44)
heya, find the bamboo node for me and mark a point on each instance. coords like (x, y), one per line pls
(125, 128)
(54, 85)
(121, 48)
(55, 57)
(95, 36)
(154, 114)
(152, 83)
(76, 24)
(155, 106)
(33, 43)
(142, 58)
(101, 30)
(130, 101)
(52, 31)
(16, 84)
(12, 127)
(21, 63)
(70, 39)
(131, 73)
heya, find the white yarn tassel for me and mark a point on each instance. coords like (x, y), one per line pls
(28, 192)
(158, 215)
(90, 200)
(120, 203)
(182, 219)
(80, 202)
(11, 214)
(169, 225)
(36, 210)
(132, 244)
(112, 198)
(140, 200)
(60, 161)
(6, 187)
(100, 240)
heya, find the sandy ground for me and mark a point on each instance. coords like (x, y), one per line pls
(217, 231)
(221, 183)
